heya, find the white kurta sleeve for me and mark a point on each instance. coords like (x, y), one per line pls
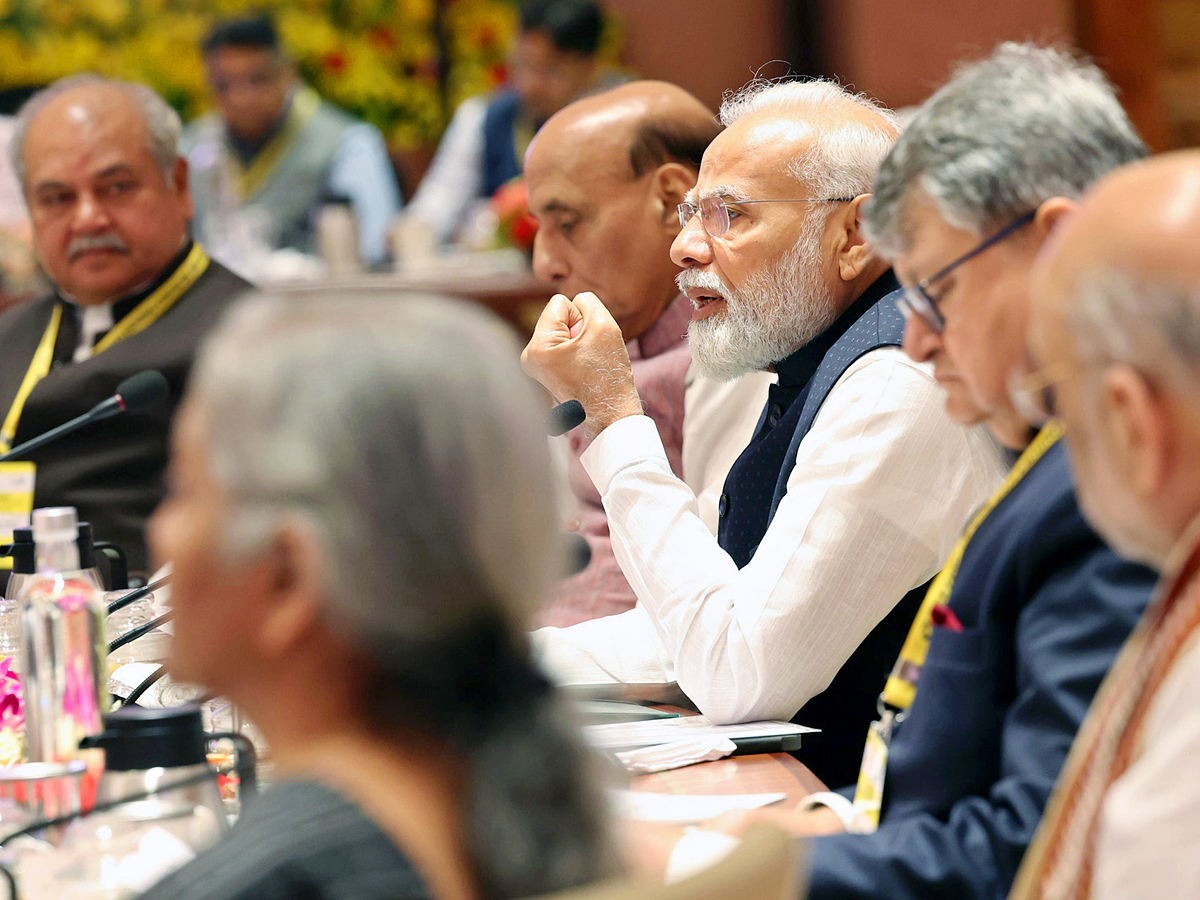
(882, 487)
(454, 181)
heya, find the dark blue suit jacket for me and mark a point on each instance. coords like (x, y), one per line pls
(1045, 606)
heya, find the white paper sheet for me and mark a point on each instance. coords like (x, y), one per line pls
(684, 809)
(628, 735)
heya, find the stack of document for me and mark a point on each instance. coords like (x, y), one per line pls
(750, 737)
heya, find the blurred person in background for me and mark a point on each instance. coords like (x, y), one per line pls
(855, 485)
(1017, 632)
(19, 275)
(553, 61)
(98, 161)
(1115, 341)
(605, 176)
(274, 150)
(355, 559)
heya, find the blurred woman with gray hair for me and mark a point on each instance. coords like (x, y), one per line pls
(358, 517)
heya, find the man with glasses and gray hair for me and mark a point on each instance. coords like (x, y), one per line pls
(1025, 619)
(855, 485)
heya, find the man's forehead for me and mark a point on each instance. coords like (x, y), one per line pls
(571, 173)
(553, 187)
(241, 59)
(929, 241)
(596, 146)
(753, 153)
(70, 150)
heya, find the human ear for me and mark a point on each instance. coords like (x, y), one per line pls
(670, 184)
(179, 181)
(293, 590)
(1050, 214)
(1138, 429)
(850, 247)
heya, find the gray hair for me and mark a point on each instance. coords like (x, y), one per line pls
(1006, 134)
(163, 128)
(402, 434)
(846, 155)
(1146, 321)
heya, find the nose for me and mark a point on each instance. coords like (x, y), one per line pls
(691, 247)
(90, 214)
(921, 342)
(548, 264)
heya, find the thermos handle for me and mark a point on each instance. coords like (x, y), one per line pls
(118, 566)
(245, 761)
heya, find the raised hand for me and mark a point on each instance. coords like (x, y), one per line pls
(578, 353)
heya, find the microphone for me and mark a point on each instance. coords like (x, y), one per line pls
(579, 553)
(564, 417)
(138, 393)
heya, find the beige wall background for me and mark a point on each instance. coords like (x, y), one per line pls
(705, 46)
(898, 50)
(901, 50)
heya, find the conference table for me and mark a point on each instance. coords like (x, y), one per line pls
(752, 773)
(649, 844)
(513, 294)
(759, 773)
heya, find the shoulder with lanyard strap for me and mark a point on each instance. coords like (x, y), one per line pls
(901, 685)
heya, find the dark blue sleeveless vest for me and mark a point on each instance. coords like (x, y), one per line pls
(757, 483)
(500, 164)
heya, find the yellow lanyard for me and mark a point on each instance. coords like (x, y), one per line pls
(250, 179)
(901, 685)
(139, 318)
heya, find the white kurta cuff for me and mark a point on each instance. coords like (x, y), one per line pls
(624, 443)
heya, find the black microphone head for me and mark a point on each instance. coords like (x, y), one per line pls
(144, 391)
(565, 416)
(579, 553)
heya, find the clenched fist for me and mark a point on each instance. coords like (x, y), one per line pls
(577, 353)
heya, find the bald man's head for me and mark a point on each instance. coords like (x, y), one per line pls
(106, 189)
(642, 124)
(605, 175)
(1115, 328)
(1142, 220)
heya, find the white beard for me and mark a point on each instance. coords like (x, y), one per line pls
(774, 313)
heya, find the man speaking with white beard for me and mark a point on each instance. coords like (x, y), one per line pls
(853, 489)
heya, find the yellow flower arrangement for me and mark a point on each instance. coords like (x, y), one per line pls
(376, 58)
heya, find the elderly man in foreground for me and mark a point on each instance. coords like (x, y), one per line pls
(605, 176)
(1020, 627)
(108, 197)
(855, 485)
(1116, 336)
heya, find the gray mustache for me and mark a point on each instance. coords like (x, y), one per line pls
(697, 278)
(100, 242)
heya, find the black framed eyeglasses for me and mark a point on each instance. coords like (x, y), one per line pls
(917, 301)
(714, 214)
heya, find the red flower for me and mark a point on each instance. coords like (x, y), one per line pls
(335, 62)
(523, 231)
(382, 38)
